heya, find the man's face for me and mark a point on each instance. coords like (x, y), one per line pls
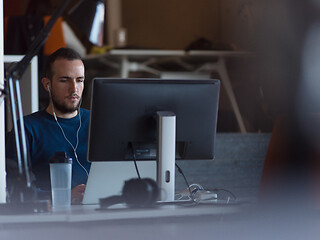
(67, 84)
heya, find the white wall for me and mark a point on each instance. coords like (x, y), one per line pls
(2, 123)
(28, 86)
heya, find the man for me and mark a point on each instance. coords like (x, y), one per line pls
(62, 126)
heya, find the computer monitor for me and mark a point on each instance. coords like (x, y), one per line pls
(148, 120)
(123, 117)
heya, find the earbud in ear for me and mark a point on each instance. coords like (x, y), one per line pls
(48, 86)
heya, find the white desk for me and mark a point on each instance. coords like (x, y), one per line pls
(130, 60)
(201, 223)
(86, 223)
(87, 213)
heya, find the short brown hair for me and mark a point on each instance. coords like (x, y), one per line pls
(61, 53)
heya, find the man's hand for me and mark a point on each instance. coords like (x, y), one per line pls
(77, 194)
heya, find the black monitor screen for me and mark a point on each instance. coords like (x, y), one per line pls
(123, 119)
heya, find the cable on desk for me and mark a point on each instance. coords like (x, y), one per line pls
(186, 181)
(196, 193)
(135, 160)
(227, 191)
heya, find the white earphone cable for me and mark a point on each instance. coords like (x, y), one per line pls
(64, 135)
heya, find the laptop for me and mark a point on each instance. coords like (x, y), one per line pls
(107, 178)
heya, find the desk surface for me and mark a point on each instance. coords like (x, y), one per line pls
(201, 222)
(85, 213)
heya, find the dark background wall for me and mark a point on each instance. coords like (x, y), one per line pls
(165, 24)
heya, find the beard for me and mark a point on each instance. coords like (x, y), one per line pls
(64, 108)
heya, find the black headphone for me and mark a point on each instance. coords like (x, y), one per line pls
(136, 193)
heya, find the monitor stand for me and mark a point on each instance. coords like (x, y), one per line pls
(166, 155)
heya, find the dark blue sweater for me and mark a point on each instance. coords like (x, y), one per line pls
(44, 138)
